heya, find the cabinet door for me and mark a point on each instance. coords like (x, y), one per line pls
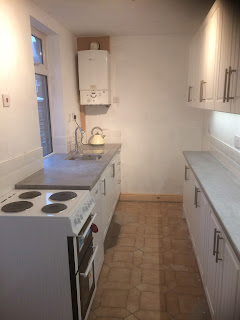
(210, 38)
(213, 276)
(188, 195)
(229, 304)
(200, 214)
(107, 197)
(224, 57)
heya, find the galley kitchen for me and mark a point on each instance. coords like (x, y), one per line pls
(119, 160)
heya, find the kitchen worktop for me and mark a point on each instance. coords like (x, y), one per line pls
(222, 189)
(59, 173)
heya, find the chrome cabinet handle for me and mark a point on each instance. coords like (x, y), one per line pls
(196, 197)
(189, 93)
(185, 174)
(225, 85)
(230, 72)
(85, 274)
(104, 186)
(113, 172)
(217, 251)
(83, 236)
(201, 90)
(214, 240)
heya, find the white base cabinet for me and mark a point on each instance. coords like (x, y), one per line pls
(219, 267)
(106, 193)
(111, 182)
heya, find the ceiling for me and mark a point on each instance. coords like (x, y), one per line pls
(128, 17)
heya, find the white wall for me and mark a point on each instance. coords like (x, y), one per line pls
(223, 126)
(149, 76)
(19, 124)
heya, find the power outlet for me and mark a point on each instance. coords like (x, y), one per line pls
(237, 142)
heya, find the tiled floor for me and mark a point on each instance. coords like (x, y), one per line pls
(150, 271)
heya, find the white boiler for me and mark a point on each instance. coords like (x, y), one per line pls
(94, 77)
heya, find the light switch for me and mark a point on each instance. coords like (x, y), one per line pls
(6, 100)
(116, 100)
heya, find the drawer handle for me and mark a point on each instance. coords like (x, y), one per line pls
(113, 170)
(189, 94)
(230, 72)
(225, 85)
(217, 251)
(185, 175)
(104, 186)
(214, 240)
(196, 197)
(201, 90)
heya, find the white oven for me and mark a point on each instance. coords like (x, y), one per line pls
(47, 254)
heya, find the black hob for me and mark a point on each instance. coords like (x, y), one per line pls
(54, 208)
(29, 195)
(63, 196)
(17, 206)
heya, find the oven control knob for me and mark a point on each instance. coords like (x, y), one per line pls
(79, 220)
(75, 221)
(81, 216)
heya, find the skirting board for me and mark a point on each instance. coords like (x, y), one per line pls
(151, 197)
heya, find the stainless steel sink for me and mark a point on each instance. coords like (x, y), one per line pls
(88, 154)
(84, 157)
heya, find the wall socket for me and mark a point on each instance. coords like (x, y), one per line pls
(237, 142)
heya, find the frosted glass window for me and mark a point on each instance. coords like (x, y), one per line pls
(37, 50)
(44, 114)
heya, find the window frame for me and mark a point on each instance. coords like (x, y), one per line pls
(42, 69)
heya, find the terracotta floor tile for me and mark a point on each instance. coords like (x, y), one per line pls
(131, 317)
(151, 315)
(152, 258)
(114, 298)
(150, 270)
(172, 304)
(152, 301)
(133, 302)
(126, 242)
(192, 304)
(152, 277)
(119, 275)
(123, 256)
(121, 313)
(153, 243)
(185, 260)
(188, 279)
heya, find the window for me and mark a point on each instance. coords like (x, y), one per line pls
(41, 74)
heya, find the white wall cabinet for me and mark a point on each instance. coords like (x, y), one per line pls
(218, 265)
(217, 78)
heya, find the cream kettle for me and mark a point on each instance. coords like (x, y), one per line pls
(97, 139)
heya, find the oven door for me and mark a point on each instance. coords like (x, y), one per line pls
(87, 279)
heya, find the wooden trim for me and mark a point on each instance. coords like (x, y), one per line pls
(82, 117)
(84, 43)
(151, 197)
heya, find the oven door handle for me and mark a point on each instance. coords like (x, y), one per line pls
(83, 236)
(85, 274)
